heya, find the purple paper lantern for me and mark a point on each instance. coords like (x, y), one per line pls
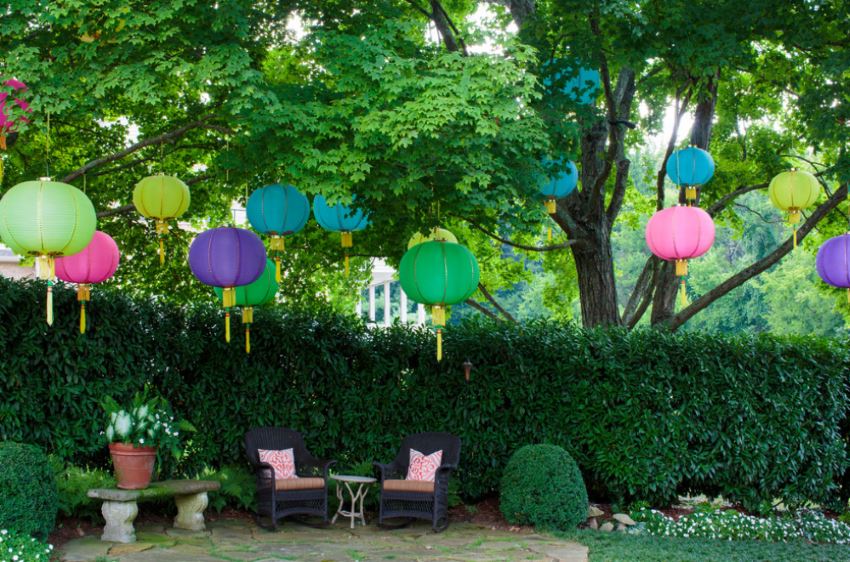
(227, 257)
(833, 262)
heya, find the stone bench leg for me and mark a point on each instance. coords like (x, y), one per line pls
(190, 511)
(119, 521)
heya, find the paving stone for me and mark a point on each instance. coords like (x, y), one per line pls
(84, 549)
(120, 549)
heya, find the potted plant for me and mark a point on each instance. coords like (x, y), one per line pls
(136, 433)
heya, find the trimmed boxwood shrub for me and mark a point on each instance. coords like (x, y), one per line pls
(542, 486)
(28, 501)
(646, 414)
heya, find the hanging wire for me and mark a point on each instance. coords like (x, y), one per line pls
(47, 148)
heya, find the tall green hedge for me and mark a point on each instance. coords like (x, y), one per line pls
(645, 414)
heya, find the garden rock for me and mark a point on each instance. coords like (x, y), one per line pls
(607, 527)
(594, 524)
(624, 519)
(594, 511)
(622, 528)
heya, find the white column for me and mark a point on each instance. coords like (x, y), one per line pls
(371, 303)
(420, 314)
(358, 308)
(388, 311)
(402, 309)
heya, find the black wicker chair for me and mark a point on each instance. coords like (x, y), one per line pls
(413, 499)
(306, 495)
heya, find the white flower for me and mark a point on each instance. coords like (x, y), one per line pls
(123, 424)
(143, 412)
(110, 432)
(141, 441)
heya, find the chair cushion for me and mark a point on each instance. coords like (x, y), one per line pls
(290, 484)
(420, 486)
(424, 467)
(283, 462)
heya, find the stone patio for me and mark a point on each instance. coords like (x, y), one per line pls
(238, 540)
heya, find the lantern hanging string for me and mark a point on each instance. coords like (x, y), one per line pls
(47, 148)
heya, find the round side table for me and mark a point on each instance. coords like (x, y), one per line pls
(363, 483)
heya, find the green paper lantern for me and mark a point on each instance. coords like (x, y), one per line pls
(439, 273)
(436, 233)
(162, 198)
(792, 192)
(46, 219)
(262, 291)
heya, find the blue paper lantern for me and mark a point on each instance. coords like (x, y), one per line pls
(278, 210)
(689, 167)
(581, 84)
(340, 218)
(561, 183)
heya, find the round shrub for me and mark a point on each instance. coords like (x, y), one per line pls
(28, 490)
(542, 486)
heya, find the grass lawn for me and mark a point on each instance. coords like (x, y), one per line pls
(616, 546)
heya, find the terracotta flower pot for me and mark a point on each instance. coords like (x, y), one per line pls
(133, 465)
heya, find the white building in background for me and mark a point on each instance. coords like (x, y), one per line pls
(380, 295)
(10, 265)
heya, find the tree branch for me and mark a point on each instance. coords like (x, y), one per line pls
(493, 301)
(159, 139)
(480, 228)
(680, 106)
(715, 208)
(482, 309)
(641, 295)
(760, 266)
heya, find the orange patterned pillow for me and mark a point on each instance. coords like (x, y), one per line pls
(283, 462)
(424, 467)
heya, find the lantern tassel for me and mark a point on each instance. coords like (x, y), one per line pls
(347, 239)
(161, 252)
(439, 344)
(227, 326)
(795, 237)
(83, 317)
(2, 142)
(848, 296)
(549, 234)
(346, 264)
(277, 269)
(248, 338)
(683, 293)
(50, 303)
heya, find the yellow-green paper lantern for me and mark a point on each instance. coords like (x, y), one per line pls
(792, 192)
(46, 219)
(162, 198)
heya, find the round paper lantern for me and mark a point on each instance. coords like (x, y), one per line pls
(277, 210)
(227, 257)
(439, 274)
(560, 184)
(436, 234)
(46, 219)
(793, 191)
(7, 122)
(679, 234)
(95, 264)
(162, 198)
(833, 262)
(581, 84)
(690, 167)
(257, 293)
(340, 218)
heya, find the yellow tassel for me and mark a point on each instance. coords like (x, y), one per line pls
(690, 193)
(848, 296)
(162, 227)
(551, 206)
(347, 240)
(277, 269)
(277, 244)
(549, 235)
(227, 326)
(49, 303)
(161, 252)
(438, 315)
(248, 339)
(683, 293)
(681, 268)
(2, 142)
(248, 315)
(83, 317)
(795, 238)
(228, 297)
(439, 345)
(346, 265)
(793, 215)
(51, 267)
(1, 169)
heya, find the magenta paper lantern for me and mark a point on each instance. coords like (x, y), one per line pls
(7, 123)
(833, 262)
(96, 263)
(227, 257)
(678, 234)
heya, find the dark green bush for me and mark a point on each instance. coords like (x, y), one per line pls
(73, 484)
(542, 486)
(646, 414)
(27, 490)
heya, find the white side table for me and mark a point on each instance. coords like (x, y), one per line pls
(363, 483)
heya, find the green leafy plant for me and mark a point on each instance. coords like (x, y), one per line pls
(145, 422)
(732, 525)
(238, 487)
(28, 501)
(17, 546)
(542, 486)
(73, 483)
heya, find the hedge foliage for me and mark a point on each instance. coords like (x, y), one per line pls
(645, 414)
(542, 486)
(28, 501)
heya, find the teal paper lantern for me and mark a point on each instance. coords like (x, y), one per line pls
(579, 83)
(340, 218)
(690, 167)
(560, 183)
(278, 211)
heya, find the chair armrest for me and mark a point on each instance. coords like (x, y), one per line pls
(447, 467)
(326, 465)
(265, 474)
(389, 471)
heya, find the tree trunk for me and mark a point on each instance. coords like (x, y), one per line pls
(596, 283)
(667, 286)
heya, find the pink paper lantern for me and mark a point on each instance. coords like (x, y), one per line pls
(7, 123)
(95, 264)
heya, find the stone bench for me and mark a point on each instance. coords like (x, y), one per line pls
(120, 507)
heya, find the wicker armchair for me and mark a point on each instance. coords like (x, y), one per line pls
(276, 499)
(416, 499)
